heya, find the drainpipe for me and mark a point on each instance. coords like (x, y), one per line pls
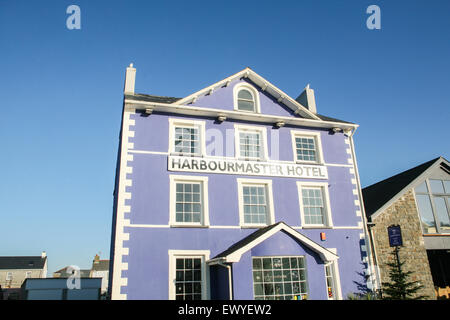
(370, 225)
(370, 253)
(219, 262)
(230, 282)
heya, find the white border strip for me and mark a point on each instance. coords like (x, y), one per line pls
(118, 281)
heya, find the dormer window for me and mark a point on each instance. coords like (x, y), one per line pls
(245, 98)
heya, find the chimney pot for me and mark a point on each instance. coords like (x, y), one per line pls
(307, 99)
(130, 78)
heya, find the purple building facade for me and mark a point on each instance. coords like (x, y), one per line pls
(237, 191)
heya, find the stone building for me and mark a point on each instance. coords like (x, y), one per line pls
(418, 200)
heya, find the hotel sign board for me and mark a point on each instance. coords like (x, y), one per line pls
(242, 167)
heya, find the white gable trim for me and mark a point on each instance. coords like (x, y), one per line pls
(325, 254)
(263, 84)
(238, 115)
(412, 185)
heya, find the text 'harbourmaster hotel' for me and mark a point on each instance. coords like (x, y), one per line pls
(237, 191)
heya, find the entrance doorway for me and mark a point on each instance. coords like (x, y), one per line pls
(439, 261)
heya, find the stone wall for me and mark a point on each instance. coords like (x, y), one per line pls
(403, 212)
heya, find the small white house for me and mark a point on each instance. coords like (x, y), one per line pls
(100, 269)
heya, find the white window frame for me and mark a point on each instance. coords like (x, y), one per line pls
(202, 254)
(174, 179)
(238, 128)
(305, 268)
(318, 143)
(326, 200)
(173, 123)
(28, 274)
(9, 276)
(254, 93)
(269, 199)
(335, 276)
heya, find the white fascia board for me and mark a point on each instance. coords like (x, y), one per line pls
(262, 83)
(324, 254)
(220, 83)
(411, 185)
(215, 261)
(278, 93)
(237, 115)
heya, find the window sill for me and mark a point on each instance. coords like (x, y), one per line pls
(309, 162)
(189, 226)
(252, 159)
(254, 226)
(187, 155)
(255, 111)
(317, 227)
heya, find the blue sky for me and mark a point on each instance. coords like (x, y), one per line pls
(61, 93)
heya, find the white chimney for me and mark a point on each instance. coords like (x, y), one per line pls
(43, 254)
(307, 99)
(130, 78)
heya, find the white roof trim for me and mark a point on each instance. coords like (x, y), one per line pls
(263, 84)
(411, 185)
(325, 254)
(233, 114)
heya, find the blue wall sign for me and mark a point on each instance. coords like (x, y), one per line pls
(395, 236)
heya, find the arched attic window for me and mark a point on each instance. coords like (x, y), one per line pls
(246, 99)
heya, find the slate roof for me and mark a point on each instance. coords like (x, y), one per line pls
(22, 262)
(376, 195)
(246, 240)
(151, 98)
(63, 273)
(325, 254)
(325, 118)
(162, 99)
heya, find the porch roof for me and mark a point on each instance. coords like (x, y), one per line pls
(234, 253)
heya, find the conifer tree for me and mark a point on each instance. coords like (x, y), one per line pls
(399, 287)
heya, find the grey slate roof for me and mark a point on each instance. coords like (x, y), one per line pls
(325, 118)
(63, 273)
(22, 262)
(324, 252)
(246, 240)
(151, 98)
(162, 99)
(376, 195)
